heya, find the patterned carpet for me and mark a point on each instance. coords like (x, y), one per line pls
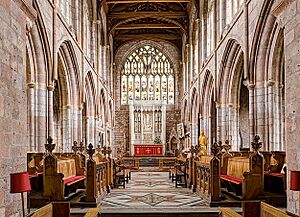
(152, 190)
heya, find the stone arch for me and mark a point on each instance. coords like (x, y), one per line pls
(208, 119)
(68, 56)
(66, 99)
(261, 36)
(110, 116)
(103, 109)
(183, 110)
(169, 50)
(225, 73)
(172, 55)
(233, 98)
(89, 118)
(275, 102)
(38, 72)
(194, 116)
(90, 94)
(258, 77)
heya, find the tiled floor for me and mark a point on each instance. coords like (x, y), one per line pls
(152, 190)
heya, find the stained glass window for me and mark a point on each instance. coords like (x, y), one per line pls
(147, 75)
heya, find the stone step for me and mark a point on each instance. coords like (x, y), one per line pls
(161, 212)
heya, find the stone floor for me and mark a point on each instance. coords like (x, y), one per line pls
(150, 193)
(152, 190)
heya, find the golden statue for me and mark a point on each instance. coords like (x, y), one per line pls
(203, 144)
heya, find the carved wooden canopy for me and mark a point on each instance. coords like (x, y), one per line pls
(160, 20)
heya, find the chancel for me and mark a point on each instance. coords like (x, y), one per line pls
(149, 108)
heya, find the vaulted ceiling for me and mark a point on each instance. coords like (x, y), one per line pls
(160, 20)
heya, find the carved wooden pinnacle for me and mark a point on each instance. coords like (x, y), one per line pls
(50, 146)
(256, 144)
(81, 147)
(90, 151)
(75, 148)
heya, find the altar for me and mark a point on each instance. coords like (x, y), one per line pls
(147, 128)
(143, 150)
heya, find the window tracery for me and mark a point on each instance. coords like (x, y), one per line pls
(147, 75)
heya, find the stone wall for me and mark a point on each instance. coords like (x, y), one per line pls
(173, 118)
(122, 111)
(288, 13)
(122, 134)
(13, 99)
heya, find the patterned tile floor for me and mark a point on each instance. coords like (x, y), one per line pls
(152, 190)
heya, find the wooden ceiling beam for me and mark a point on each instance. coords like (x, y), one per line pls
(147, 36)
(122, 15)
(141, 1)
(148, 26)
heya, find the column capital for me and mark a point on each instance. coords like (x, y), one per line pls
(251, 86)
(31, 84)
(270, 82)
(50, 87)
(218, 105)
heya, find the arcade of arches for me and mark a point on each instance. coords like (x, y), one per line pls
(127, 74)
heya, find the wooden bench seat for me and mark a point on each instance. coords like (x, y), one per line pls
(62, 174)
(275, 172)
(233, 178)
(178, 173)
(35, 170)
(235, 169)
(244, 175)
(261, 209)
(61, 209)
(119, 174)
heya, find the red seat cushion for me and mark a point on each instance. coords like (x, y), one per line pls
(277, 174)
(71, 180)
(232, 179)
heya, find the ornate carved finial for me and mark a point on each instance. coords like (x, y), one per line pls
(256, 144)
(98, 149)
(81, 147)
(227, 147)
(104, 151)
(215, 149)
(109, 151)
(193, 150)
(75, 148)
(90, 151)
(50, 146)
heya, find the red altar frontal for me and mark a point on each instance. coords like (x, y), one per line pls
(148, 150)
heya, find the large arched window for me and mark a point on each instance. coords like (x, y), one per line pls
(147, 76)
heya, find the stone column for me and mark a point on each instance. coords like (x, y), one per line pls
(270, 117)
(222, 14)
(188, 77)
(50, 89)
(204, 39)
(251, 112)
(31, 116)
